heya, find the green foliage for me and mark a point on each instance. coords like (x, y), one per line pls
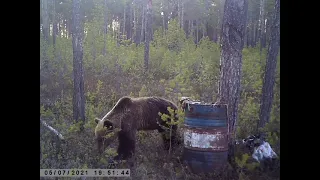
(243, 165)
(242, 162)
(75, 127)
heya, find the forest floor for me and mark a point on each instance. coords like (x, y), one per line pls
(151, 162)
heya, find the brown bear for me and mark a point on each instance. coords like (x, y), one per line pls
(130, 115)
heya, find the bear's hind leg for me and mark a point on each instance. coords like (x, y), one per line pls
(126, 146)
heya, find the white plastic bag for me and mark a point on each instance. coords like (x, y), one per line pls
(264, 151)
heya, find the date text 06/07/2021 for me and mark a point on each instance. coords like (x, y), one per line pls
(84, 172)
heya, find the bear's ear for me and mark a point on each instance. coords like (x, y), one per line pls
(97, 120)
(108, 124)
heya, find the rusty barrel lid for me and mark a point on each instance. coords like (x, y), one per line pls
(205, 115)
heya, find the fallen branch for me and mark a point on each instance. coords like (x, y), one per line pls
(52, 130)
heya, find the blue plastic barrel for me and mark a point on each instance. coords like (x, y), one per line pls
(205, 136)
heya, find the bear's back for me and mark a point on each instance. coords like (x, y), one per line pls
(148, 108)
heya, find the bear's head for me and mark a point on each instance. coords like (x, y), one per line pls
(102, 130)
(107, 127)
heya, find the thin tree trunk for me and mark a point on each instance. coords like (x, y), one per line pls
(45, 20)
(249, 29)
(148, 30)
(54, 23)
(129, 20)
(253, 37)
(197, 31)
(220, 21)
(233, 30)
(215, 35)
(105, 28)
(151, 25)
(145, 25)
(189, 29)
(163, 20)
(264, 35)
(261, 24)
(248, 36)
(203, 29)
(69, 23)
(179, 13)
(271, 64)
(142, 24)
(124, 22)
(182, 12)
(59, 28)
(256, 38)
(78, 75)
(93, 45)
(134, 36)
(267, 36)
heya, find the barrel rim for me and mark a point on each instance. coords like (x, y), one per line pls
(207, 150)
(204, 127)
(204, 104)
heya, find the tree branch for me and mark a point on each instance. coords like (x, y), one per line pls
(52, 130)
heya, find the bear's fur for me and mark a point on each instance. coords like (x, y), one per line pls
(130, 115)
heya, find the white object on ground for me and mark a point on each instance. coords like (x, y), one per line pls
(263, 151)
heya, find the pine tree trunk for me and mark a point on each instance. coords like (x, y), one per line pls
(269, 77)
(142, 24)
(248, 36)
(124, 23)
(189, 29)
(203, 29)
(129, 20)
(179, 13)
(93, 45)
(256, 37)
(69, 28)
(59, 28)
(147, 37)
(215, 35)
(264, 35)
(233, 30)
(182, 11)
(163, 23)
(134, 36)
(45, 20)
(78, 74)
(197, 31)
(65, 28)
(54, 23)
(105, 28)
(261, 24)
(252, 33)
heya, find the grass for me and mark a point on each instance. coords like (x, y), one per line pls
(151, 161)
